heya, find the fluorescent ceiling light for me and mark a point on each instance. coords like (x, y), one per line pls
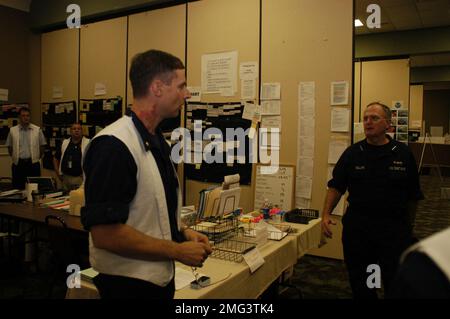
(358, 23)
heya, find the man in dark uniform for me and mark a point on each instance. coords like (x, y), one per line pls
(381, 177)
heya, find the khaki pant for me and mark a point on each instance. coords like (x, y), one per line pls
(71, 182)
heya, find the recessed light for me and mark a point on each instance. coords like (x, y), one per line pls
(358, 23)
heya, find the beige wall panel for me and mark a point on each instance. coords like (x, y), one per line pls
(162, 29)
(385, 81)
(415, 105)
(214, 26)
(60, 64)
(296, 48)
(35, 78)
(103, 58)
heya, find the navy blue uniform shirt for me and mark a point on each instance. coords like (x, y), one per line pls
(380, 179)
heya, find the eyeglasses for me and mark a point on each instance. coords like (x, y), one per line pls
(373, 118)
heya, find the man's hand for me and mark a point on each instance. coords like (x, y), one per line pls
(192, 253)
(192, 235)
(326, 229)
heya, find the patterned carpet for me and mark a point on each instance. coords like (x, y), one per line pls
(319, 278)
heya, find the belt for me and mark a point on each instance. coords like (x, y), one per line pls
(25, 160)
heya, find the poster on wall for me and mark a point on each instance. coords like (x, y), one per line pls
(399, 124)
(339, 93)
(219, 73)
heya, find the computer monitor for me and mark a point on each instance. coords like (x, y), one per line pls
(45, 184)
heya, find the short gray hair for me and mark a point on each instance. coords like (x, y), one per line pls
(386, 109)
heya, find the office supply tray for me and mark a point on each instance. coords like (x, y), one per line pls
(218, 230)
(232, 249)
(282, 231)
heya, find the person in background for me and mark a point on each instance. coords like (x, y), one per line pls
(67, 160)
(25, 143)
(133, 200)
(380, 175)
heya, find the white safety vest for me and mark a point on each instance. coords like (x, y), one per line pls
(148, 212)
(436, 247)
(34, 143)
(65, 143)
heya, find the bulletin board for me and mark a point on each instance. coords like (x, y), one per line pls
(96, 114)
(57, 118)
(9, 117)
(277, 188)
(222, 116)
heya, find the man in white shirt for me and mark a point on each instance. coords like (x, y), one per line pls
(25, 143)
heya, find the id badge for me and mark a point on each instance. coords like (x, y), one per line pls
(69, 164)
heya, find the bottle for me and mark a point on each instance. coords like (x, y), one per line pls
(265, 209)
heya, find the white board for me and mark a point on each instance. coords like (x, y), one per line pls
(278, 188)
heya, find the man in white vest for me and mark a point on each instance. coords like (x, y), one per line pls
(25, 143)
(67, 160)
(132, 194)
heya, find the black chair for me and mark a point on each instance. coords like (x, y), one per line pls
(65, 249)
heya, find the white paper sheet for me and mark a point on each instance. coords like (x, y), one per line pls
(270, 107)
(335, 149)
(303, 187)
(254, 259)
(249, 111)
(248, 70)
(183, 278)
(248, 89)
(339, 93)
(227, 91)
(340, 119)
(270, 91)
(196, 93)
(57, 92)
(305, 166)
(306, 99)
(306, 146)
(99, 89)
(219, 72)
(307, 89)
(358, 128)
(306, 127)
(301, 202)
(271, 122)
